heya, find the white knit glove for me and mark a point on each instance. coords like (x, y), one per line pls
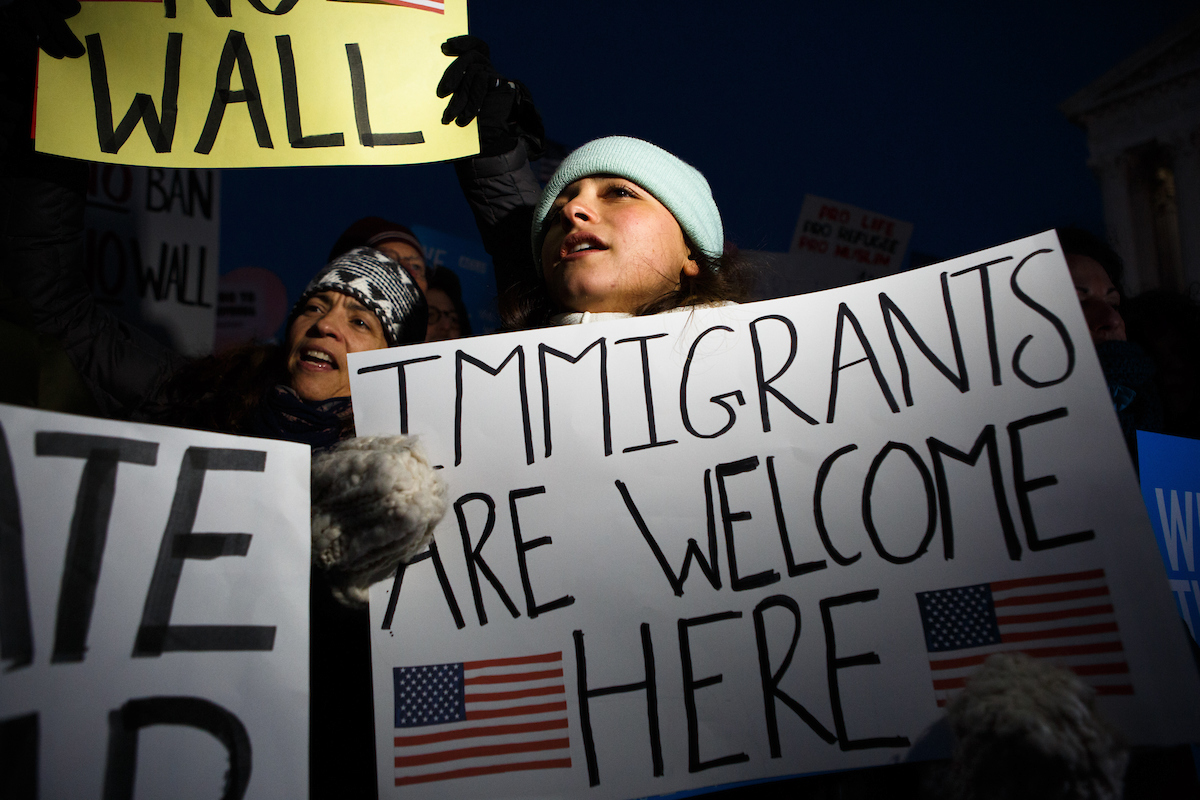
(375, 502)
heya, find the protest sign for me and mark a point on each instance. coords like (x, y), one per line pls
(153, 610)
(253, 83)
(153, 246)
(718, 545)
(251, 307)
(1170, 470)
(835, 244)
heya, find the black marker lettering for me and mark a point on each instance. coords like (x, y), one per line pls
(157, 635)
(283, 7)
(443, 580)
(844, 313)
(989, 314)
(125, 723)
(890, 310)
(19, 741)
(531, 606)
(1059, 328)
(819, 513)
(833, 663)
(459, 359)
(475, 562)
(291, 102)
(930, 503)
(764, 384)
(362, 113)
(770, 679)
(1024, 486)
(708, 567)
(234, 53)
(986, 438)
(605, 409)
(402, 385)
(793, 569)
(160, 130)
(649, 685)
(719, 399)
(652, 429)
(691, 684)
(737, 583)
(89, 527)
(16, 625)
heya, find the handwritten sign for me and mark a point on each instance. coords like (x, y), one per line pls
(248, 83)
(153, 610)
(705, 547)
(1170, 470)
(153, 245)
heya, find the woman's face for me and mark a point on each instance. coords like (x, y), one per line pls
(330, 325)
(406, 256)
(1098, 297)
(611, 246)
(443, 318)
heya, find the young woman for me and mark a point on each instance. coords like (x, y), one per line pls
(626, 228)
(623, 226)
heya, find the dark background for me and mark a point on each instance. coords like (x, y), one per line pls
(945, 116)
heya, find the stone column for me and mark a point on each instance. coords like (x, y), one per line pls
(1185, 153)
(1116, 191)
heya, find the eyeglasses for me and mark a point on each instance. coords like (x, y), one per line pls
(436, 315)
(411, 263)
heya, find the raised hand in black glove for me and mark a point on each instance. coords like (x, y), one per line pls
(476, 90)
(45, 20)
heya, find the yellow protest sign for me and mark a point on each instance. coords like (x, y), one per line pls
(254, 83)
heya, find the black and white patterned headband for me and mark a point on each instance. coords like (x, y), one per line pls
(380, 284)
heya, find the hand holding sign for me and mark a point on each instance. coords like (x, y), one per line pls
(504, 107)
(45, 19)
(153, 617)
(240, 84)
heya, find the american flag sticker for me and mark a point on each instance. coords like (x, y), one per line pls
(437, 6)
(1067, 618)
(480, 718)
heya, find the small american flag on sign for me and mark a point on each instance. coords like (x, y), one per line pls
(481, 718)
(1067, 618)
(438, 6)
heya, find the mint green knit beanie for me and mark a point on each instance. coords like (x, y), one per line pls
(676, 184)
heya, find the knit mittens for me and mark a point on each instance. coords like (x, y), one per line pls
(375, 502)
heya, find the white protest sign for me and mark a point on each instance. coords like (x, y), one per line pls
(153, 609)
(153, 249)
(705, 547)
(834, 244)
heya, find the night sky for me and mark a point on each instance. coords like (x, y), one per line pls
(946, 117)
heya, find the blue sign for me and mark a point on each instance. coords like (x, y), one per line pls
(473, 266)
(1170, 475)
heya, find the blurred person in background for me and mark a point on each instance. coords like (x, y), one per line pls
(395, 241)
(448, 317)
(1096, 271)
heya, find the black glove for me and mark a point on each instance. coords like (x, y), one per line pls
(504, 107)
(45, 20)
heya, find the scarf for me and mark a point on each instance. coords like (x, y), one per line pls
(320, 424)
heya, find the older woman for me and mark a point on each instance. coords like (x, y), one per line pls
(298, 391)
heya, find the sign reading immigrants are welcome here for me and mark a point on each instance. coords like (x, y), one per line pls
(705, 547)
